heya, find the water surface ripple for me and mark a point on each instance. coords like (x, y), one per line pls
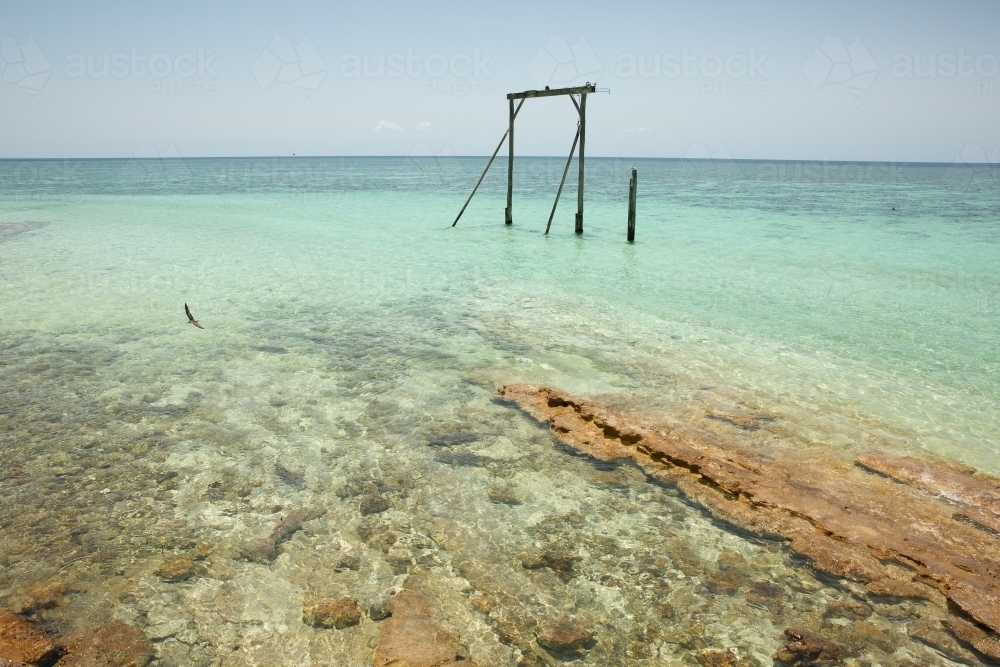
(352, 347)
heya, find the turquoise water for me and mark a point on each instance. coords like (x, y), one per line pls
(348, 328)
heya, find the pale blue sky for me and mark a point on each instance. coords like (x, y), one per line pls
(782, 80)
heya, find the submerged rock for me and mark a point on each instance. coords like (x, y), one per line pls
(502, 495)
(849, 608)
(379, 610)
(848, 522)
(856, 638)
(453, 439)
(733, 561)
(484, 604)
(21, 641)
(411, 638)
(557, 562)
(372, 504)
(376, 532)
(739, 419)
(43, 594)
(259, 551)
(348, 561)
(15, 228)
(339, 614)
(720, 659)
(564, 635)
(931, 633)
(4, 662)
(891, 587)
(724, 582)
(465, 459)
(201, 551)
(110, 645)
(766, 594)
(266, 550)
(807, 649)
(983, 641)
(288, 476)
(176, 569)
(665, 609)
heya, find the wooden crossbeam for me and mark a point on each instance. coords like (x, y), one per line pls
(581, 138)
(579, 90)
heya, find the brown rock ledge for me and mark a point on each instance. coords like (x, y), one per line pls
(21, 641)
(850, 523)
(112, 644)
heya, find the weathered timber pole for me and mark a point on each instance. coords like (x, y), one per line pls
(581, 109)
(565, 171)
(632, 184)
(483, 175)
(583, 138)
(508, 212)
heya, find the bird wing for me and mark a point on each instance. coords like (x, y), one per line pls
(191, 317)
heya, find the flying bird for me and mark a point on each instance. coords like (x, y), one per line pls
(191, 317)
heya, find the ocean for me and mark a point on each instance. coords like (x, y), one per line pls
(353, 345)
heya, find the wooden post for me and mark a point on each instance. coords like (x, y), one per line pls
(565, 171)
(508, 212)
(581, 108)
(583, 138)
(483, 175)
(632, 183)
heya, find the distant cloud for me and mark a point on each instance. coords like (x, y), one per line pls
(423, 125)
(632, 128)
(383, 125)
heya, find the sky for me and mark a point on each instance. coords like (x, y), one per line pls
(869, 81)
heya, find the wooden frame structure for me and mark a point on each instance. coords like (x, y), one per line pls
(581, 136)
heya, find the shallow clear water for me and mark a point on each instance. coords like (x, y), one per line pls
(353, 337)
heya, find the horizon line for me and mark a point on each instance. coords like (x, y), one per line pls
(544, 157)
